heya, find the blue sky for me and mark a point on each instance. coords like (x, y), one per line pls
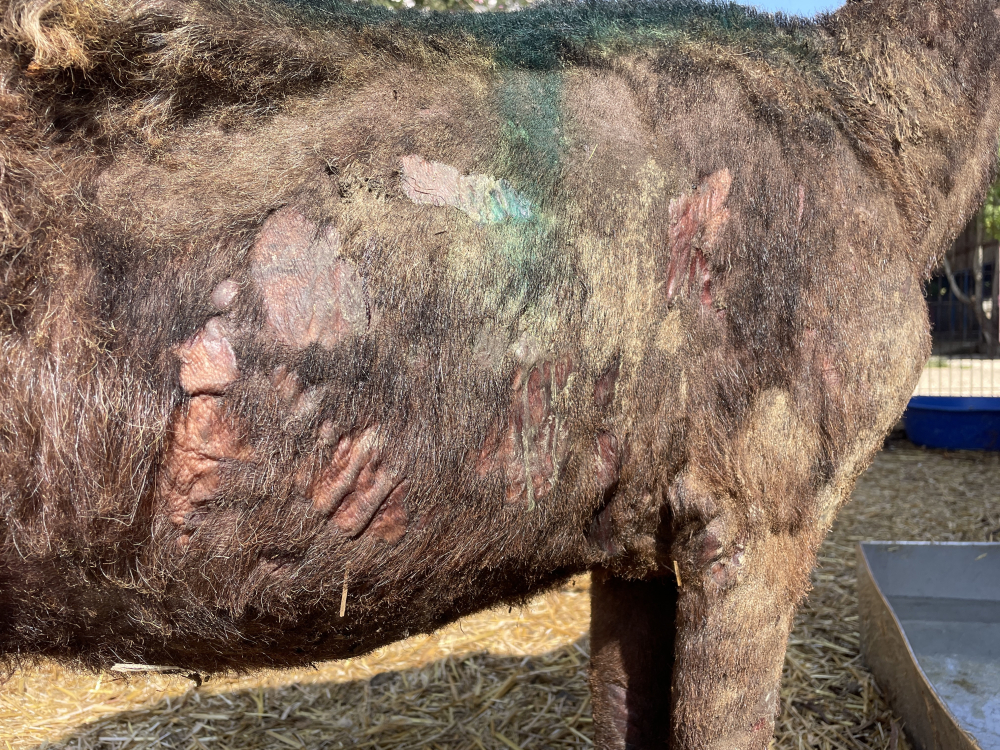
(798, 7)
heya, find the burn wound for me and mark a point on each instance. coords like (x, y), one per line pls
(224, 294)
(390, 522)
(696, 222)
(533, 448)
(359, 491)
(311, 294)
(208, 363)
(722, 561)
(483, 198)
(202, 438)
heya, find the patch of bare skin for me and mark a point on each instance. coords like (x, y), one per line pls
(357, 490)
(533, 447)
(202, 437)
(696, 222)
(722, 558)
(720, 550)
(485, 199)
(224, 294)
(617, 700)
(607, 474)
(772, 442)
(300, 403)
(607, 455)
(759, 734)
(311, 294)
(670, 337)
(208, 363)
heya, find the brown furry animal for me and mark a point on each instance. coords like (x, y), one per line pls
(324, 325)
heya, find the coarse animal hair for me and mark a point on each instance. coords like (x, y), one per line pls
(324, 324)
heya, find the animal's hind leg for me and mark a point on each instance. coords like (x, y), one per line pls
(632, 654)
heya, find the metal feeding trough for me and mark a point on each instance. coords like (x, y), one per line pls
(930, 633)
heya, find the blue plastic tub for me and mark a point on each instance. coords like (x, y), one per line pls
(954, 423)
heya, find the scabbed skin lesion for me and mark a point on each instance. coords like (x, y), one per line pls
(367, 429)
(483, 198)
(202, 439)
(311, 294)
(208, 363)
(696, 222)
(286, 323)
(358, 492)
(531, 450)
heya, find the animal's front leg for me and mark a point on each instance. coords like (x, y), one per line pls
(632, 650)
(734, 612)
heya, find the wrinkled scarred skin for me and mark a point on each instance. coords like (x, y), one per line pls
(440, 310)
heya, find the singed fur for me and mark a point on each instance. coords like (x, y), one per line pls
(663, 318)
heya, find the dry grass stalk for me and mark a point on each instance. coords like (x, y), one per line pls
(504, 679)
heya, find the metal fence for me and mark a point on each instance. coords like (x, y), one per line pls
(960, 376)
(958, 367)
(954, 326)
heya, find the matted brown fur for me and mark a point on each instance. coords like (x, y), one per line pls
(323, 326)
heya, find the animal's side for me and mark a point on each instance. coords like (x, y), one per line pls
(323, 326)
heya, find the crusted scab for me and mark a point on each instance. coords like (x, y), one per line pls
(721, 558)
(358, 490)
(202, 437)
(300, 402)
(602, 533)
(696, 222)
(390, 521)
(311, 294)
(339, 474)
(224, 293)
(533, 447)
(483, 198)
(208, 363)
(725, 570)
(711, 542)
(327, 432)
(287, 384)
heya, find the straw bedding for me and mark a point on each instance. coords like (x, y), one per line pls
(517, 679)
